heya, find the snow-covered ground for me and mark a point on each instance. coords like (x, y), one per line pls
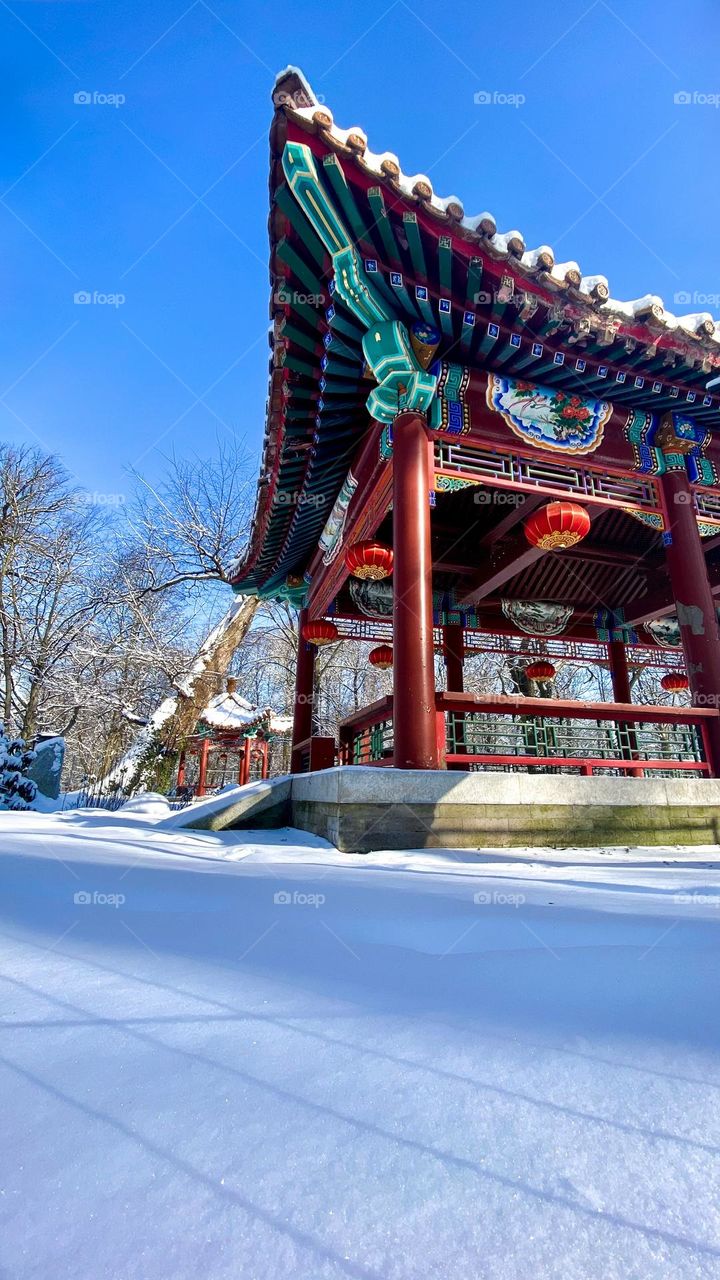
(249, 1056)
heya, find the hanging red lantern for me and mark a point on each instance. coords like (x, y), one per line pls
(369, 560)
(540, 671)
(381, 657)
(675, 682)
(557, 526)
(320, 632)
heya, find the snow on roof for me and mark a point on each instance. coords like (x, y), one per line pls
(280, 724)
(302, 104)
(229, 710)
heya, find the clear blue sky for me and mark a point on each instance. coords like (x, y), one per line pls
(599, 162)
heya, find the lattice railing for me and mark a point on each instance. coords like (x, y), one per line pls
(558, 648)
(545, 735)
(555, 739)
(507, 468)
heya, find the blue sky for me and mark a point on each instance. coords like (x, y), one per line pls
(163, 199)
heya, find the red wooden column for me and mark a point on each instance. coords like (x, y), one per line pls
(181, 770)
(202, 767)
(303, 709)
(453, 653)
(415, 738)
(694, 600)
(619, 671)
(244, 770)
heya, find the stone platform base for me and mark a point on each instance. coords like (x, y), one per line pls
(361, 809)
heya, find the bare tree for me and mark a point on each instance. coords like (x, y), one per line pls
(50, 581)
(185, 534)
(192, 527)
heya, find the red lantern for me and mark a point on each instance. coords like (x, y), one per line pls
(675, 682)
(381, 657)
(320, 632)
(557, 526)
(369, 560)
(540, 671)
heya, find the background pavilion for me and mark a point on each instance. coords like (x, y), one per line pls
(234, 742)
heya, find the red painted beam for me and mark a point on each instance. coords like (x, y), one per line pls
(501, 570)
(661, 602)
(367, 509)
(303, 708)
(526, 504)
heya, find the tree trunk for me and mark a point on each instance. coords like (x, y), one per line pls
(149, 763)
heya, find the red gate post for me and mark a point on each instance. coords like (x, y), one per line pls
(181, 770)
(453, 653)
(694, 600)
(620, 676)
(303, 709)
(244, 770)
(619, 671)
(415, 740)
(202, 766)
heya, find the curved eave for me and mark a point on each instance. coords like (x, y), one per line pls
(313, 431)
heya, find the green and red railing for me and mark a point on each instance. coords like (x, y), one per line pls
(498, 732)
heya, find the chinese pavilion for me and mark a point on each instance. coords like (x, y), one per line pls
(232, 743)
(473, 446)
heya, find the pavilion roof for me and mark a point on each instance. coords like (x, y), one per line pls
(233, 713)
(481, 228)
(504, 304)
